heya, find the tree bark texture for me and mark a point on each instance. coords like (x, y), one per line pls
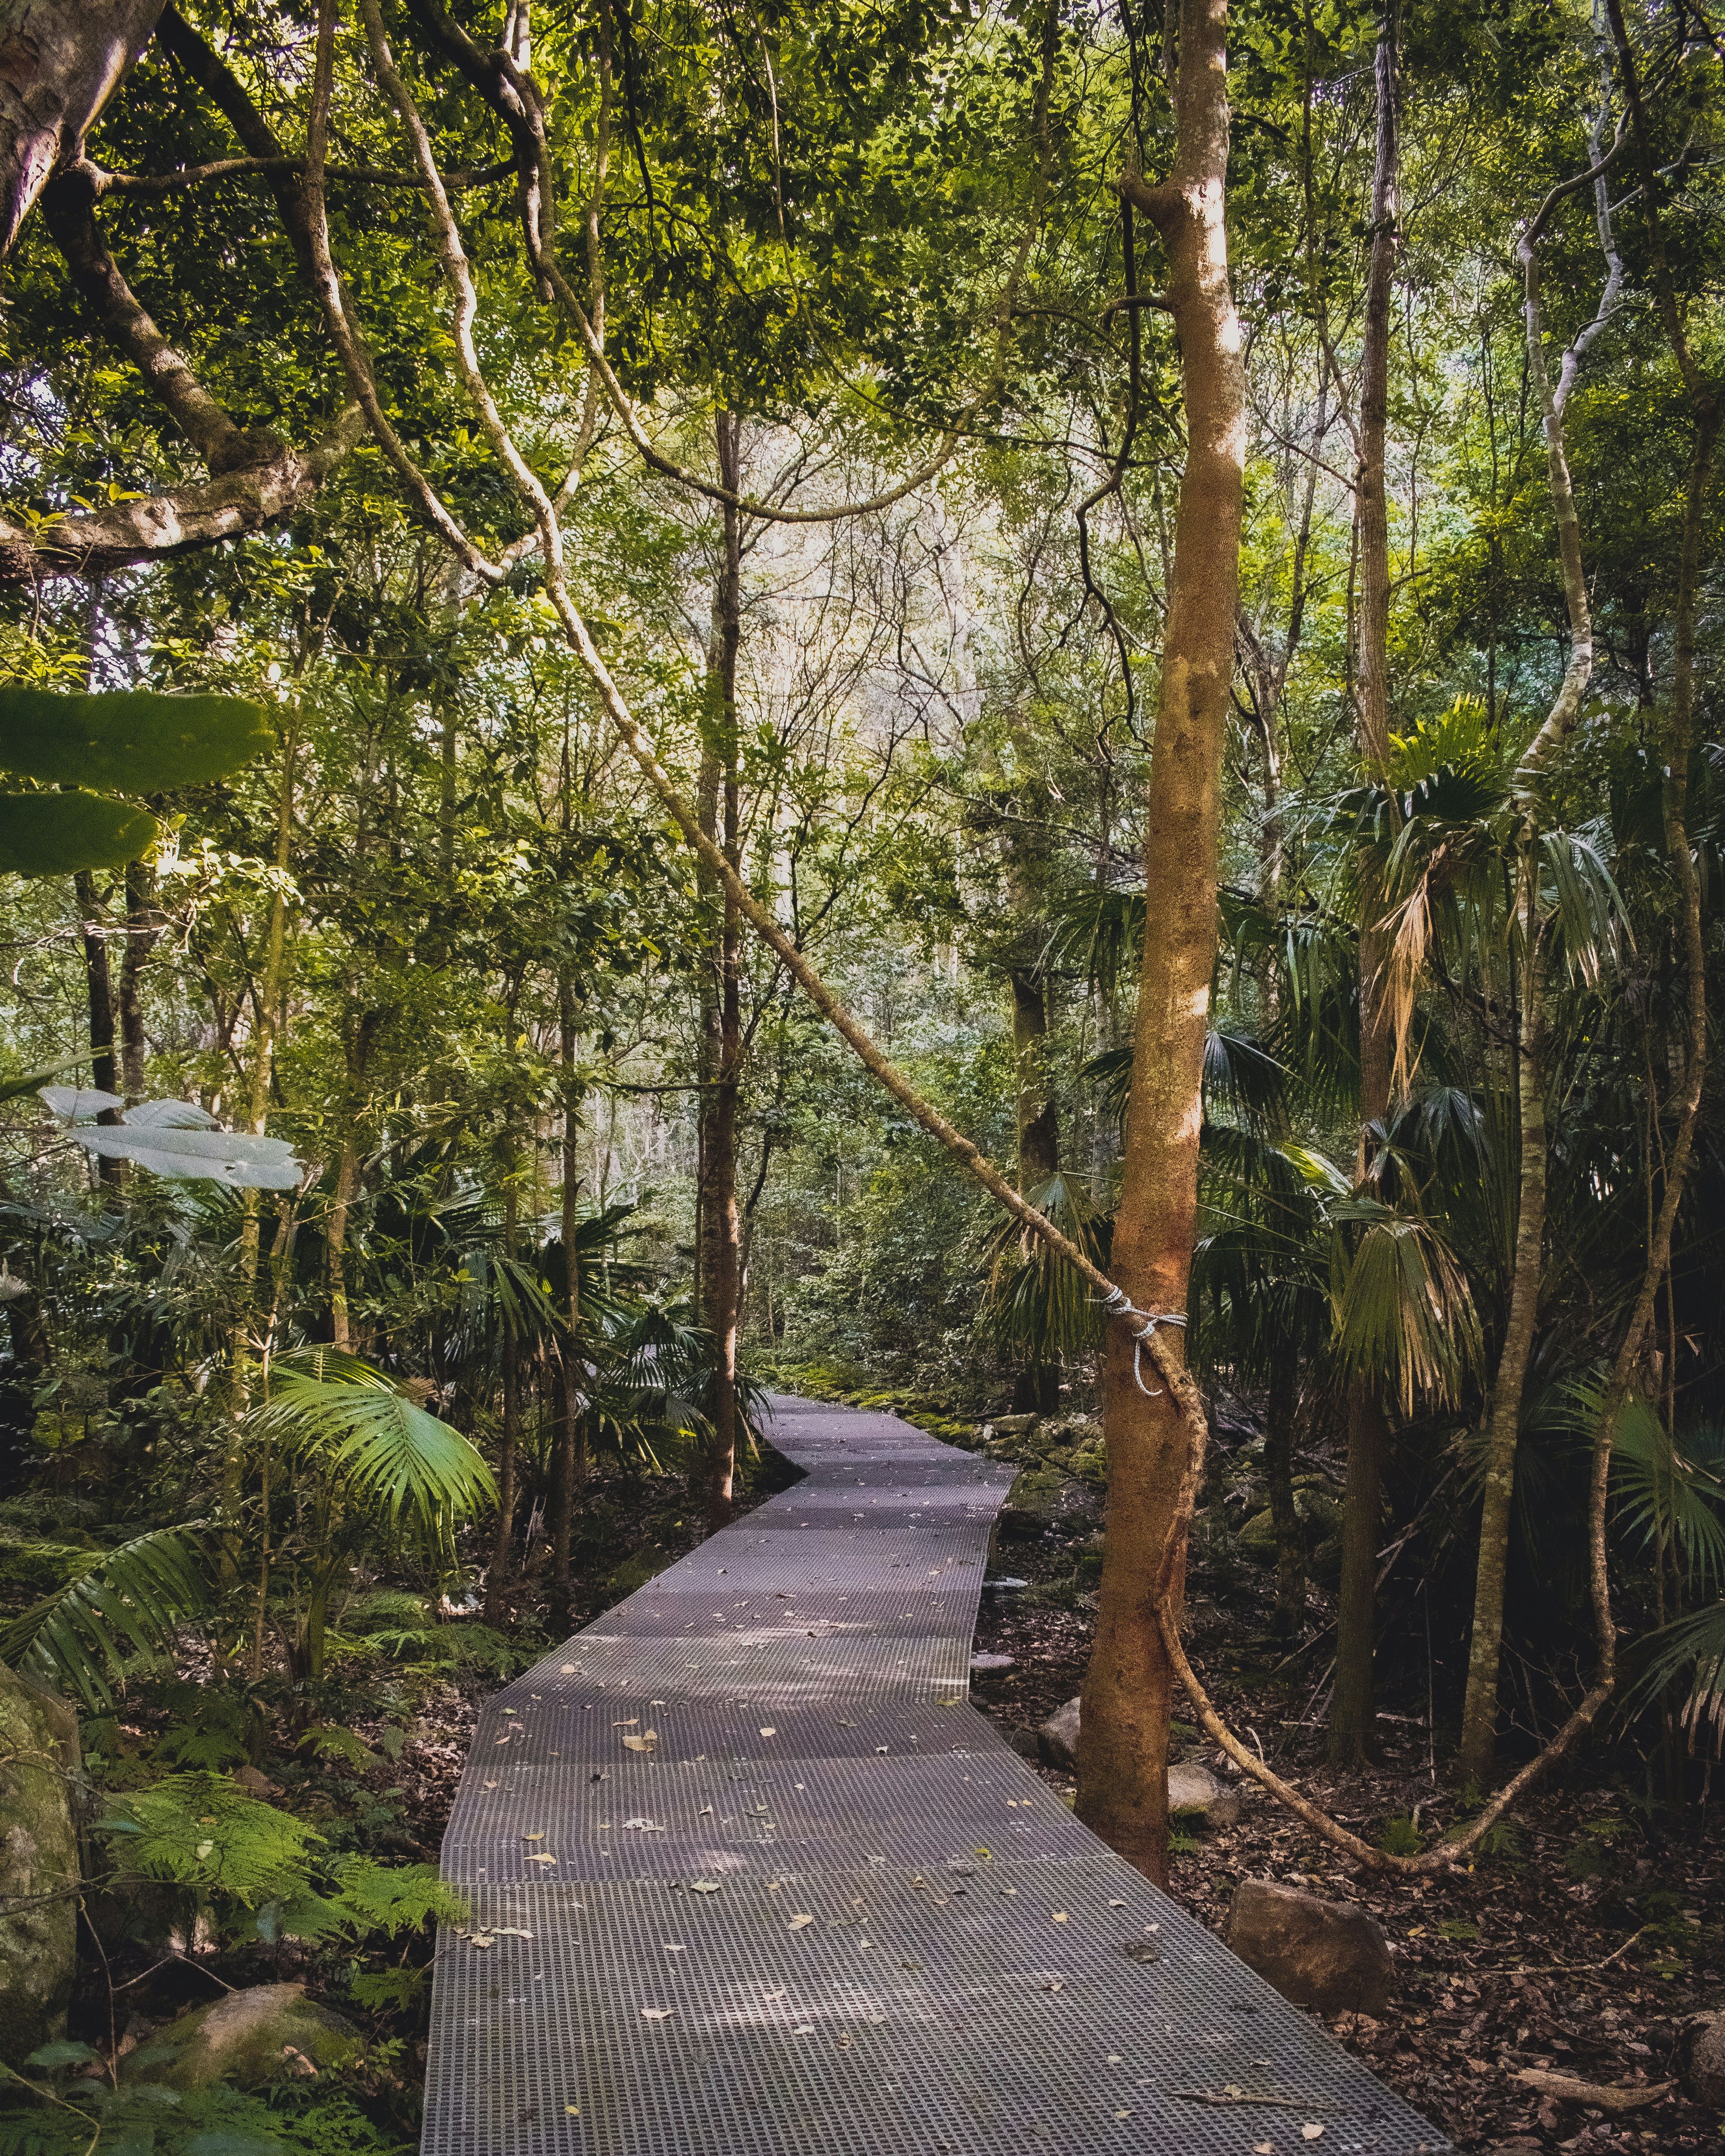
(1479, 1718)
(1351, 1707)
(719, 1241)
(59, 67)
(1122, 1761)
(569, 1466)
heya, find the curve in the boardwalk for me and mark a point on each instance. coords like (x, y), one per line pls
(749, 1876)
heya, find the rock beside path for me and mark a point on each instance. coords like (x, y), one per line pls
(1193, 1793)
(1326, 1955)
(39, 1866)
(248, 2037)
(1701, 2059)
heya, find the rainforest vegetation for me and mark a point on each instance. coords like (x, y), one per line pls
(1008, 706)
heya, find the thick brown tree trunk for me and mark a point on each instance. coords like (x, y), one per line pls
(1352, 1708)
(720, 1240)
(1122, 1784)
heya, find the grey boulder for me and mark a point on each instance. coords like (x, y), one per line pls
(1327, 1955)
(1193, 1793)
(1701, 2059)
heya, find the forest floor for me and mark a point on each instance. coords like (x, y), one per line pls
(1580, 1945)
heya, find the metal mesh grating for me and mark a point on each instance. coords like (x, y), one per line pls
(830, 1912)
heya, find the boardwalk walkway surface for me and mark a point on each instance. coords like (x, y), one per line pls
(749, 1878)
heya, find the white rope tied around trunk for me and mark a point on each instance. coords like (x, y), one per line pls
(1119, 1304)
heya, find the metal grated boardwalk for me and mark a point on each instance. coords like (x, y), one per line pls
(750, 1877)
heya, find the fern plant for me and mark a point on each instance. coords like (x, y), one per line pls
(259, 1871)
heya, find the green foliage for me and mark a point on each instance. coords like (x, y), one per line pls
(262, 1871)
(132, 1600)
(218, 2120)
(383, 1454)
(137, 741)
(51, 834)
(1400, 1836)
(199, 1831)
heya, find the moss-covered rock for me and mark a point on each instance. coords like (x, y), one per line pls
(248, 2037)
(38, 1864)
(1044, 1498)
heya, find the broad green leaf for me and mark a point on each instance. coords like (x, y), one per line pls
(230, 1156)
(137, 740)
(80, 1103)
(56, 833)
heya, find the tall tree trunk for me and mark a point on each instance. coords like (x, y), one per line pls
(142, 932)
(719, 1240)
(1352, 1709)
(502, 1569)
(570, 1466)
(1279, 1420)
(1038, 1143)
(1479, 1717)
(1122, 1759)
(99, 1004)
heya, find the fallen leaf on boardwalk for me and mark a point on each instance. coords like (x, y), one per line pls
(879, 2019)
(769, 1732)
(657, 2013)
(671, 1948)
(879, 1748)
(628, 1724)
(703, 1886)
(1263, 2149)
(644, 1742)
(1054, 1984)
(567, 1670)
(1122, 2114)
(911, 1964)
(1115, 2059)
(804, 2029)
(1114, 1902)
(705, 1812)
(799, 1923)
(643, 1826)
(1310, 2131)
(572, 2110)
(539, 1857)
(538, 1835)
(769, 1996)
(481, 1942)
(1058, 1916)
(490, 1785)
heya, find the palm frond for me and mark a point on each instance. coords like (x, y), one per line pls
(132, 1600)
(1670, 1493)
(1404, 1314)
(384, 1454)
(1036, 1302)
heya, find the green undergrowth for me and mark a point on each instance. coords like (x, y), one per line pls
(148, 2121)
